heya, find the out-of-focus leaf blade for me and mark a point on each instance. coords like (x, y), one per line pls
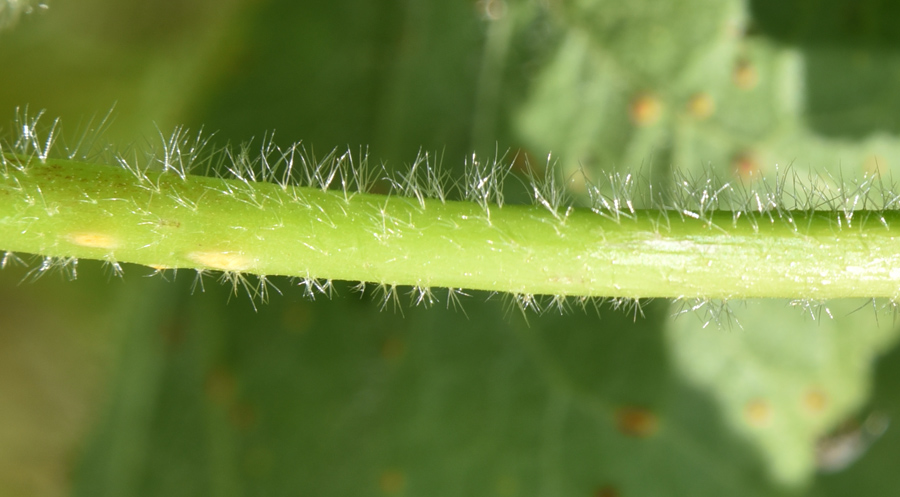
(330, 398)
(788, 376)
(867, 444)
(627, 90)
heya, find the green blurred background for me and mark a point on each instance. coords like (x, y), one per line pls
(140, 386)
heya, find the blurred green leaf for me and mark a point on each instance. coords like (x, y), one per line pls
(57, 342)
(874, 473)
(336, 398)
(787, 377)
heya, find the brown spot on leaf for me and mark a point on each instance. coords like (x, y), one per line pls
(169, 223)
(745, 75)
(606, 491)
(220, 386)
(242, 416)
(636, 421)
(173, 333)
(391, 481)
(297, 317)
(393, 349)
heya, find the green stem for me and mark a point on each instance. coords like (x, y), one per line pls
(61, 208)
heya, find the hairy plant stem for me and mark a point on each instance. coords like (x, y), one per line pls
(67, 209)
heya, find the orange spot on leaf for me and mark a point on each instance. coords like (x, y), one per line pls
(745, 166)
(645, 109)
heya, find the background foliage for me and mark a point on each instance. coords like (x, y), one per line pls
(139, 387)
